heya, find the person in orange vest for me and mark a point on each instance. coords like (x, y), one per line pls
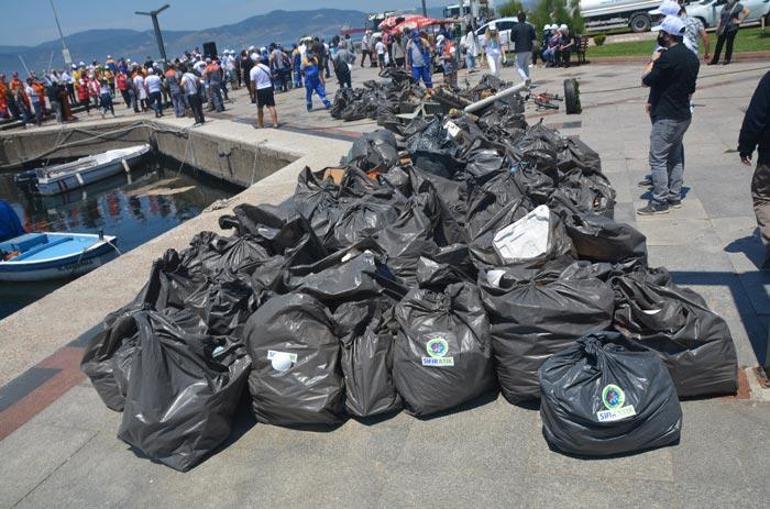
(214, 78)
(39, 89)
(21, 101)
(3, 100)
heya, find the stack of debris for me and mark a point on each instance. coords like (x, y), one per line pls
(427, 271)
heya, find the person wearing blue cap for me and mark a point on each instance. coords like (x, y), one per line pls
(671, 76)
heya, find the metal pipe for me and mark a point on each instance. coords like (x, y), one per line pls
(64, 50)
(489, 100)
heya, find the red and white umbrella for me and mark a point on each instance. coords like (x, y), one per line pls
(392, 21)
(416, 23)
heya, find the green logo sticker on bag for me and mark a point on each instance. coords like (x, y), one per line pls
(437, 348)
(613, 397)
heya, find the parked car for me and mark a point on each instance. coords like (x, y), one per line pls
(708, 11)
(503, 25)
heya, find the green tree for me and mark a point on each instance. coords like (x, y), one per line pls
(509, 9)
(567, 12)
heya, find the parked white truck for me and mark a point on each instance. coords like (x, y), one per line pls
(608, 14)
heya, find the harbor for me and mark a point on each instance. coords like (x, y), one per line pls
(59, 419)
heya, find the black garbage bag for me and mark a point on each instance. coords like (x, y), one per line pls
(446, 200)
(361, 220)
(107, 359)
(591, 193)
(443, 357)
(434, 150)
(487, 200)
(693, 341)
(539, 148)
(358, 273)
(182, 393)
(536, 318)
(604, 396)
(527, 239)
(169, 284)
(576, 154)
(367, 332)
(451, 264)
(316, 200)
(600, 239)
(281, 231)
(296, 378)
(209, 254)
(373, 150)
(405, 239)
(224, 303)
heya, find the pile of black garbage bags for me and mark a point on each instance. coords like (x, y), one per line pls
(474, 255)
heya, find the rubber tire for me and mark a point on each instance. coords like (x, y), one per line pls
(572, 97)
(640, 22)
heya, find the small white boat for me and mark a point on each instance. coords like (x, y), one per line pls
(43, 256)
(61, 178)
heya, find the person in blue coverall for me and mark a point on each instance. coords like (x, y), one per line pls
(10, 226)
(314, 81)
(418, 59)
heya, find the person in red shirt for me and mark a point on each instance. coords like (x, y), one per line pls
(121, 81)
(82, 90)
(3, 100)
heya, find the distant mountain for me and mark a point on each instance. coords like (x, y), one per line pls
(278, 26)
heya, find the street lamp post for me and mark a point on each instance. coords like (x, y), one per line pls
(156, 25)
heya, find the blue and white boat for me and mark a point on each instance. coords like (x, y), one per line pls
(43, 256)
(60, 178)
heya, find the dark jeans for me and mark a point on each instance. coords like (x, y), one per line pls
(344, 79)
(106, 100)
(730, 38)
(760, 195)
(197, 107)
(126, 97)
(156, 102)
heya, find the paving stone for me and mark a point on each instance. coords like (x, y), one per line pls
(33, 453)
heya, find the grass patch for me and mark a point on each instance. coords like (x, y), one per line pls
(748, 39)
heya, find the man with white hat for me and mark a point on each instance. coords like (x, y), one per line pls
(671, 75)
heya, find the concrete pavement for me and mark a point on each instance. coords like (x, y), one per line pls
(492, 454)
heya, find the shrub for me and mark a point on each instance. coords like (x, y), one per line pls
(599, 39)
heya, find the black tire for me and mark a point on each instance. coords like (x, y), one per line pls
(572, 97)
(640, 22)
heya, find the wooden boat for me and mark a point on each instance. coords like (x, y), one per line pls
(61, 178)
(43, 256)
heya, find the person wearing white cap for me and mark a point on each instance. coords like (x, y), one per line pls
(671, 76)
(493, 49)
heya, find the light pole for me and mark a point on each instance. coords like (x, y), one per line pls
(158, 35)
(424, 9)
(64, 51)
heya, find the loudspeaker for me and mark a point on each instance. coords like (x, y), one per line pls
(209, 49)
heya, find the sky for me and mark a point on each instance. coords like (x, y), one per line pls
(31, 22)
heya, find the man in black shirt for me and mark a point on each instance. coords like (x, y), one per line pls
(523, 36)
(755, 133)
(671, 76)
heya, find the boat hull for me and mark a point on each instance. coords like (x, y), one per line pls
(82, 177)
(61, 267)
